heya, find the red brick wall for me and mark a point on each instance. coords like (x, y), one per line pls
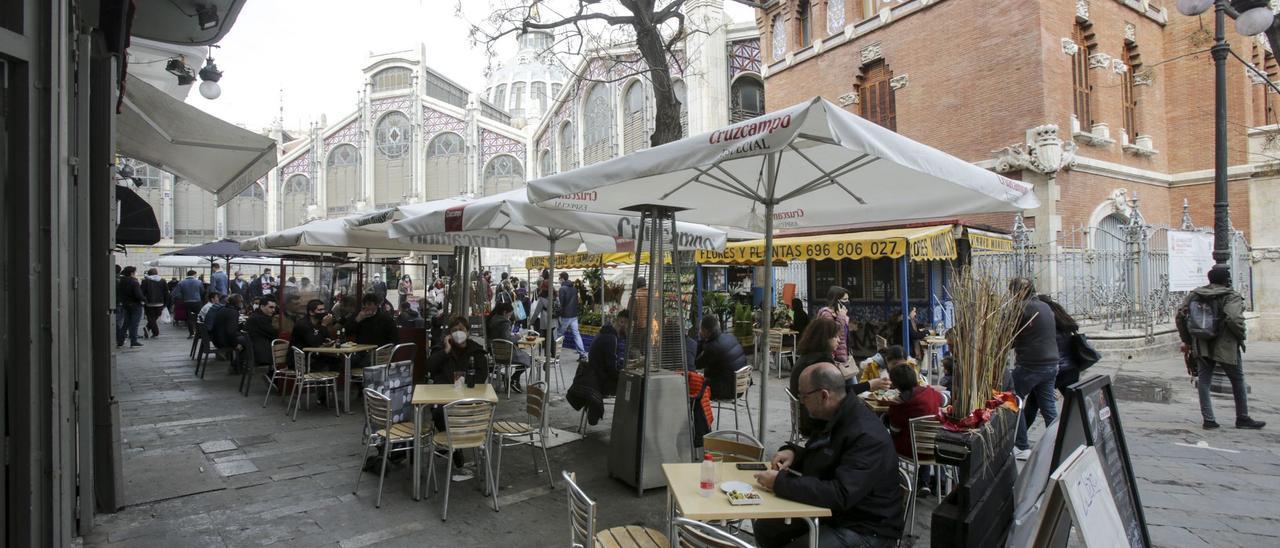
(1201, 198)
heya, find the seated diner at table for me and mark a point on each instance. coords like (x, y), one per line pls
(719, 357)
(499, 327)
(458, 359)
(817, 345)
(849, 467)
(877, 366)
(261, 331)
(314, 330)
(914, 401)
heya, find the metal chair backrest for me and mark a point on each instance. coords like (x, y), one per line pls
(382, 355)
(924, 437)
(404, 352)
(904, 483)
(299, 362)
(468, 423)
(775, 341)
(695, 534)
(503, 350)
(535, 403)
(794, 403)
(377, 411)
(582, 514)
(733, 446)
(742, 380)
(279, 354)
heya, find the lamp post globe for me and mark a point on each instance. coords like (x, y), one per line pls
(1255, 21)
(210, 90)
(1194, 7)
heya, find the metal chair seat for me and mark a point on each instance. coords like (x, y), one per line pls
(321, 375)
(400, 432)
(513, 428)
(631, 536)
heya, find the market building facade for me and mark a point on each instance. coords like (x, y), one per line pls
(1104, 105)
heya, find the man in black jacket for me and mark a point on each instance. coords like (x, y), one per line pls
(157, 296)
(129, 293)
(260, 330)
(1035, 360)
(721, 356)
(224, 325)
(849, 467)
(372, 325)
(315, 330)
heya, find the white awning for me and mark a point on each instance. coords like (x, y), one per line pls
(215, 155)
(334, 235)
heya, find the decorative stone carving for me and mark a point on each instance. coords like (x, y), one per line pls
(1265, 254)
(1130, 32)
(1082, 9)
(1119, 67)
(835, 16)
(1043, 152)
(886, 15)
(1099, 60)
(1143, 78)
(850, 98)
(1069, 47)
(898, 82)
(871, 53)
(1253, 75)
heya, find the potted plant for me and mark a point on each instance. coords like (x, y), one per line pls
(744, 325)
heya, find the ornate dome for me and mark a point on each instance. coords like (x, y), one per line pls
(525, 86)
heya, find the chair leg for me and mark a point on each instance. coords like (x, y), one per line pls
(382, 475)
(270, 384)
(746, 400)
(337, 407)
(360, 472)
(497, 458)
(302, 393)
(491, 478)
(448, 478)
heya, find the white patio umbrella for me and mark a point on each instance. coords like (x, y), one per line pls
(812, 164)
(334, 236)
(508, 221)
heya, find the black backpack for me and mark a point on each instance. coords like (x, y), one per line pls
(1204, 317)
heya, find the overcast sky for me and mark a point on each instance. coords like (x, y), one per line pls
(313, 51)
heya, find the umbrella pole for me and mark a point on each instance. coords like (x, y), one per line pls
(549, 332)
(903, 280)
(768, 307)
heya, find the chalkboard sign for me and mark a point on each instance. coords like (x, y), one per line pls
(1090, 417)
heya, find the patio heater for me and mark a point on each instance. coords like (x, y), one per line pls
(652, 417)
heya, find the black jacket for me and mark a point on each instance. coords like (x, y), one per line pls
(602, 358)
(442, 365)
(129, 293)
(307, 334)
(261, 333)
(378, 329)
(720, 357)
(224, 329)
(567, 299)
(1036, 345)
(852, 469)
(154, 292)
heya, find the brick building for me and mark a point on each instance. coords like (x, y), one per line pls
(1127, 83)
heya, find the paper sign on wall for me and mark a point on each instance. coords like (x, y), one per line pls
(1190, 258)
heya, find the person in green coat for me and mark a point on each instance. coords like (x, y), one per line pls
(1223, 350)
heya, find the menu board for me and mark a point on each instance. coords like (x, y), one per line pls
(1090, 417)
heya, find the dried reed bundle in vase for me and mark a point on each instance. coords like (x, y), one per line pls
(987, 318)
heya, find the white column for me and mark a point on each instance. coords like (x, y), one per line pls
(706, 76)
(366, 153)
(1264, 230)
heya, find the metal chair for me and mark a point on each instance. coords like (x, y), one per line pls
(553, 365)
(733, 446)
(534, 433)
(503, 352)
(468, 425)
(404, 352)
(695, 534)
(379, 430)
(205, 349)
(381, 356)
(908, 500)
(924, 447)
(742, 386)
(304, 380)
(778, 348)
(794, 403)
(279, 368)
(582, 524)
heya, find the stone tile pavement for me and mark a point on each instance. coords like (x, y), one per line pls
(205, 466)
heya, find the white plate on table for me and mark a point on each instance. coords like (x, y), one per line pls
(739, 486)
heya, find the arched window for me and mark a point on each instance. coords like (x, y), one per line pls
(503, 173)
(682, 96)
(194, 213)
(517, 96)
(597, 126)
(391, 79)
(568, 148)
(446, 166)
(805, 18)
(342, 179)
(635, 134)
(748, 99)
(296, 197)
(247, 213)
(500, 97)
(1109, 235)
(393, 163)
(546, 163)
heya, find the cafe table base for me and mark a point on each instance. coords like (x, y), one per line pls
(439, 394)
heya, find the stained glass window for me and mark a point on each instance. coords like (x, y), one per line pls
(835, 17)
(394, 135)
(548, 163)
(393, 166)
(342, 179)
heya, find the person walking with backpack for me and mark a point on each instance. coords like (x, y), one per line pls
(1211, 325)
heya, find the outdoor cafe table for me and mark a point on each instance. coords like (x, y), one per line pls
(682, 490)
(439, 394)
(346, 352)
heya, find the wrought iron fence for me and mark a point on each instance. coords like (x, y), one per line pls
(1116, 277)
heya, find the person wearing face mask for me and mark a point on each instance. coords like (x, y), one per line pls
(261, 330)
(239, 286)
(315, 329)
(458, 359)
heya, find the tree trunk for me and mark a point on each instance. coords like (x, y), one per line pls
(667, 119)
